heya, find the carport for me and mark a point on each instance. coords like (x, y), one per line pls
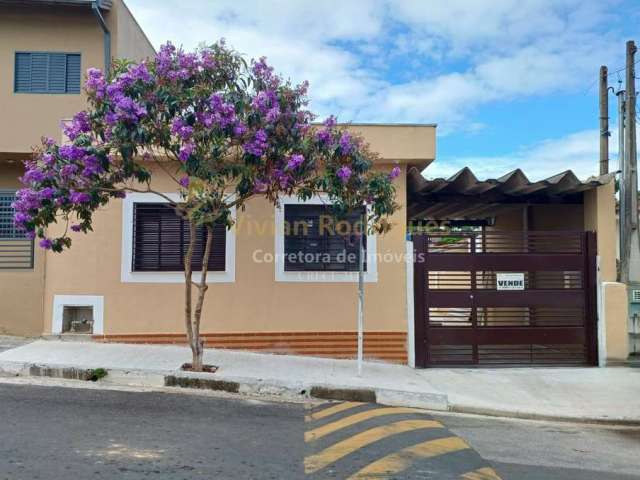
(506, 269)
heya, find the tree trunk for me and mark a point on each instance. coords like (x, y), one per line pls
(188, 284)
(197, 344)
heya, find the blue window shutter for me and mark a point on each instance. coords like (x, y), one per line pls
(39, 72)
(57, 73)
(23, 72)
(47, 72)
(73, 73)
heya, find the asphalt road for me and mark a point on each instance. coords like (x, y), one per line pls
(60, 433)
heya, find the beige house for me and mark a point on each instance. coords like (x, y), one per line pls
(123, 281)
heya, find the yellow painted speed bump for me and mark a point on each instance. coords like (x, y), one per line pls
(341, 449)
(400, 461)
(353, 419)
(327, 412)
(485, 473)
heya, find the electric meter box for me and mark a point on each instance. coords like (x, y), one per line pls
(633, 289)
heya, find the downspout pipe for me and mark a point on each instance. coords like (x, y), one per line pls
(95, 6)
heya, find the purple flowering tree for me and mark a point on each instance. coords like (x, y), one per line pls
(222, 129)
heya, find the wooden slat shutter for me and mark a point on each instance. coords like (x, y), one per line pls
(333, 252)
(161, 239)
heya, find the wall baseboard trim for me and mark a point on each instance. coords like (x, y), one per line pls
(387, 346)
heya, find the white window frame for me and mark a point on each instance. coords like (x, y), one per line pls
(370, 275)
(127, 275)
(96, 302)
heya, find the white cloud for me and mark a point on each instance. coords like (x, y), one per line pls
(515, 48)
(578, 151)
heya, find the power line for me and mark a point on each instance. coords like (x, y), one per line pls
(617, 71)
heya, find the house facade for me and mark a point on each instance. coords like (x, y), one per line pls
(45, 48)
(123, 281)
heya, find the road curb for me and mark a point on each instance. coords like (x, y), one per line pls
(292, 390)
(520, 415)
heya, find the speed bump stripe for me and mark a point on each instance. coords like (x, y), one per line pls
(327, 412)
(341, 449)
(486, 473)
(400, 461)
(353, 419)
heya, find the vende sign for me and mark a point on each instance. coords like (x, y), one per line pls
(510, 281)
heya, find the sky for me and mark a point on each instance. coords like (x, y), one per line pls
(510, 83)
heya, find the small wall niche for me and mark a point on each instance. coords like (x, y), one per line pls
(77, 320)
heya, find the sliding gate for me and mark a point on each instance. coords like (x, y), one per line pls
(505, 298)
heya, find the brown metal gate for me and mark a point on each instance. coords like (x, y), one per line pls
(463, 319)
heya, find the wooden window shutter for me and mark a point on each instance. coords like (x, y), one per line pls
(161, 239)
(327, 251)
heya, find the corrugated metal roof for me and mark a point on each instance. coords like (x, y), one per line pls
(463, 196)
(103, 4)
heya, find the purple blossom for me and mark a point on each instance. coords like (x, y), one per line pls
(75, 228)
(330, 122)
(46, 243)
(184, 182)
(284, 181)
(68, 170)
(208, 60)
(92, 166)
(140, 72)
(324, 136)
(95, 83)
(222, 113)
(33, 175)
(295, 161)
(129, 110)
(261, 69)
(79, 197)
(346, 147)
(20, 218)
(344, 173)
(258, 145)
(186, 151)
(48, 159)
(239, 129)
(47, 193)
(395, 173)
(72, 152)
(273, 114)
(79, 125)
(264, 101)
(180, 128)
(164, 59)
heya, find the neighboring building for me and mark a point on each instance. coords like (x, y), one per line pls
(45, 48)
(123, 282)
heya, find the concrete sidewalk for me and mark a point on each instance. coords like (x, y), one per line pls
(610, 395)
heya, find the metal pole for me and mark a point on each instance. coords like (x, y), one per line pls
(604, 122)
(361, 296)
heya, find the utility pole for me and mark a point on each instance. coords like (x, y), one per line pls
(623, 239)
(632, 249)
(604, 122)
